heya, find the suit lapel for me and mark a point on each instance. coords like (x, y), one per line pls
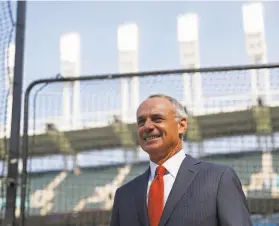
(140, 197)
(184, 178)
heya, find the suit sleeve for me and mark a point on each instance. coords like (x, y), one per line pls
(115, 211)
(231, 201)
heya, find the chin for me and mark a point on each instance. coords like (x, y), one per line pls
(152, 149)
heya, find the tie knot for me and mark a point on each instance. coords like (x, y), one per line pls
(160, 170)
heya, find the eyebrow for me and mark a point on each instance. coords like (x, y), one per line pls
(152, 115)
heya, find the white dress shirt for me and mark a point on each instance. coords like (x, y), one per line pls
(172, 166)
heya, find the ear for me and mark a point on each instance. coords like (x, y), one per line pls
(182, 125)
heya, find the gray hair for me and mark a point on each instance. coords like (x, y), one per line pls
(180, 110)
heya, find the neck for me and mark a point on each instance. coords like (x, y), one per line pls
(159, 160)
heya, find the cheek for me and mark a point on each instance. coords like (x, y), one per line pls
(162, 129)
(140, 131)
(170, 131)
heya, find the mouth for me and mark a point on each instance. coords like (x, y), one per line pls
(150, 138)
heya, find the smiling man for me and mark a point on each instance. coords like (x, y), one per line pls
(176, 189)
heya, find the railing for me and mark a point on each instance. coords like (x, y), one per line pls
(226, 103)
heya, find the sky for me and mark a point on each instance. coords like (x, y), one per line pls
(221, 34)
(221, 37)
(221, 43)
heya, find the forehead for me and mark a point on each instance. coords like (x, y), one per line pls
(156, 105)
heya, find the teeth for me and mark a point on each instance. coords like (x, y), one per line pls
(152, 137)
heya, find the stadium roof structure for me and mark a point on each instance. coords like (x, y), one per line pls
(235, 154)
(228, 124)
(206, 157)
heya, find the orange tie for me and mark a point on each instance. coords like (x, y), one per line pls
(156, 197)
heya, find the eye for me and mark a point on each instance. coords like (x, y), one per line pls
(140, 123)
(158, 119)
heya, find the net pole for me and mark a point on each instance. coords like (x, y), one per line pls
(14, 145)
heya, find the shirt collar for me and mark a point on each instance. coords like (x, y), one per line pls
(172, 164)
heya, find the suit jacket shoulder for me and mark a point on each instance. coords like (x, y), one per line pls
(217, 168)
(213, 167)
(216, 171)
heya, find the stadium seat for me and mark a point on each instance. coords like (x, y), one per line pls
(275, 161)
(38, 182)
(74, 187)
(263, 193)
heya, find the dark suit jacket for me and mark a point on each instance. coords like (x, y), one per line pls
(203, 194)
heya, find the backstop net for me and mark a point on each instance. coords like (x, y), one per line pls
(6, 76)
(82, 137)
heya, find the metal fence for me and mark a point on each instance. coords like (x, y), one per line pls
(6, 49)
(73, 161)
(12, 30)
(79, 145)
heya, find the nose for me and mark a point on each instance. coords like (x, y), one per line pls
(148, 126)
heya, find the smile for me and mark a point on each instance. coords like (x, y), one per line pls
(151, 138)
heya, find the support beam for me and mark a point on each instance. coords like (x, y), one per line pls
(127, 37)
(188, 38)
(253, 25)
(70, 67)
(14, 142)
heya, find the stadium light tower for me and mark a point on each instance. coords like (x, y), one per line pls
(70, 67)
(253, 24)
(9, 65)
(188, 38)
(127, 42)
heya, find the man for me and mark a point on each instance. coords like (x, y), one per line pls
(184, 190)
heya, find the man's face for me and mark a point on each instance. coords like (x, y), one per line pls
(158, 127)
